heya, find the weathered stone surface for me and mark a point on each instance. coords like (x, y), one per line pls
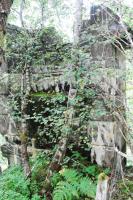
(12, 153)
(4, 84)
(102, 188)
(103, 141)
(107, 67)
(3, 124)
(106, 64)
(3, 105)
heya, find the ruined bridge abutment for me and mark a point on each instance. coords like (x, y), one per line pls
(108, 62)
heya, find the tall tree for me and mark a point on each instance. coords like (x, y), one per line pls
(69, 114)
(25, 91)
(22, 2)
(78, 21)
(5, 6)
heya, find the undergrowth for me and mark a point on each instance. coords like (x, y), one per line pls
(76, 179)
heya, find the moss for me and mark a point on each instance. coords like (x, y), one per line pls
(2, 39)
(43, 94)
(23, 137)
(102, 177)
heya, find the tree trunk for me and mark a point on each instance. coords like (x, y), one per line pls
(55, 164)
(25, 90)
(5, 6)
(78, 21)
(62, 146)
(21, 12)
(69, 114)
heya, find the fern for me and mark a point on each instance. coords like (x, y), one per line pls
(71, 175)
(73, 186)
(65, 191)
(87, 187)
(92, 170)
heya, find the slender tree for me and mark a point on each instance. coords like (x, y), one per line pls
(78, 22)
(25, 91)
(69, 114)
(5, 6)
(22, 2)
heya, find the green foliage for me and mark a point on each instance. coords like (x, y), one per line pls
(13, 185)
(70, 175)
(47, 116)
(76, 182)
(39, 164)
(81, 163)
(39, 47)
(76, 160)
(92, 170)
(87, 187)
(64, 191)
(124, 190)
(73, 186)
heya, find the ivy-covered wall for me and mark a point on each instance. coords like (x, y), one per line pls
(49, 59)
(97, 79)
(36, 47)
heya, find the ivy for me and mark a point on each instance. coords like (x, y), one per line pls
(40, 47)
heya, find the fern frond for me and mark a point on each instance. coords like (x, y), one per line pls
(65, 191)
(71, 175)
(74, 186)
(87, 187)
